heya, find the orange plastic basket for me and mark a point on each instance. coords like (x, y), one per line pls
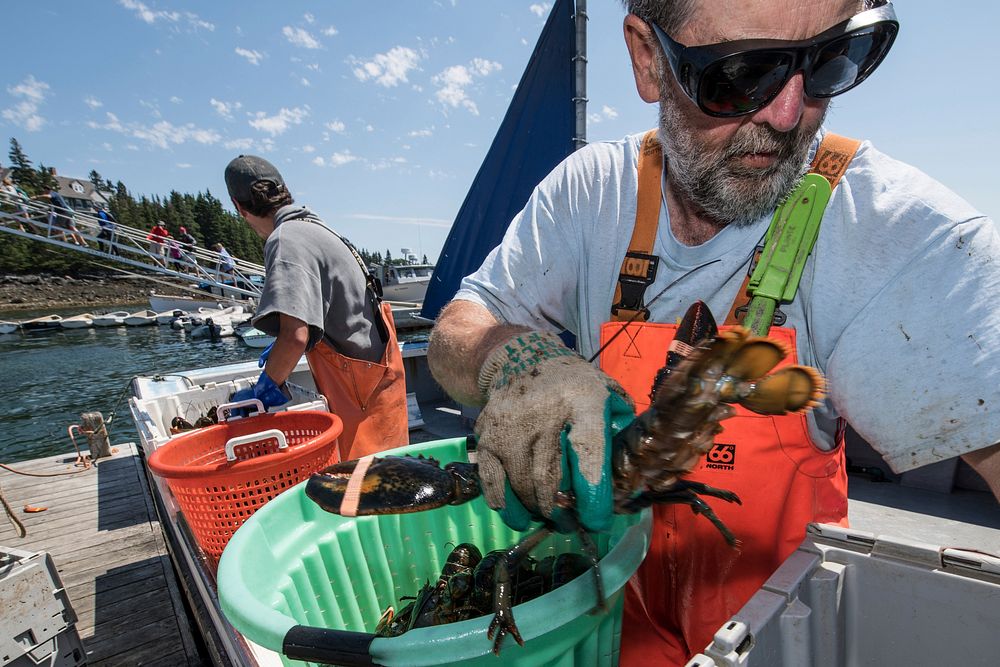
(267, 454)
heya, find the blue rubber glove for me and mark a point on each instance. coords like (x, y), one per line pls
(265, 391)
(264, 355)
(547, 427)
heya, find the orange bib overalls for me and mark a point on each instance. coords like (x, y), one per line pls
(369, 397)
(691, 581)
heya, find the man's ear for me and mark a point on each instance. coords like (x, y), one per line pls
(639, 40)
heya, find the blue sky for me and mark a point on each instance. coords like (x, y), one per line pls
(380, 122)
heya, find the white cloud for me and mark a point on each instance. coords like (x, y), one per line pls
(330, 31)
(369, 128)
(308, 149)
(421, 133)
(238, 144)
(454, 81)
(183, 165)
(388, 69)
(319, 161)
(175, 99)
(300, 37)
(342, 158)
(108, 147)
(540, 9)
(309, 18)
(606, 113)
(151, 16)
(435, 222)
(225, 109)
(93, 102)
(162, 134)
(335, 126)
(25, 113)
(278, 123)
(313, 66)
(305, 82)
(253, 57)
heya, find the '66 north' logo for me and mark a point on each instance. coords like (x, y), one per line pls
(721, 457)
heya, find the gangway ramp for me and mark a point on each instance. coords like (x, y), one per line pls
(34, 220)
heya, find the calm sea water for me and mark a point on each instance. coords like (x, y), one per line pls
(48, 378)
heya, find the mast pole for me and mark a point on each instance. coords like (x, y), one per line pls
(580, 75)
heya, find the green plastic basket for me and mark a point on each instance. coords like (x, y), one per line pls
(311, 585)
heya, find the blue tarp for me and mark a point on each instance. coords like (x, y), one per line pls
(536, 134)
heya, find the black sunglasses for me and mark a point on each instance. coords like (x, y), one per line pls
(738, 78)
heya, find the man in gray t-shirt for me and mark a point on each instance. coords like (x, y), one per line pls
(319, 299)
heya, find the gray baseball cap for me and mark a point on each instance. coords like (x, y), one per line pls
(244, 171)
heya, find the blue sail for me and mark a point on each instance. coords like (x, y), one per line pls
(536, 135)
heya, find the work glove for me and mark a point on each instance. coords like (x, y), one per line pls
(547, 427)
(264, 355)
(265, 391)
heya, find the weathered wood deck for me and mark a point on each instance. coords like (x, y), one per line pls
(103, 534)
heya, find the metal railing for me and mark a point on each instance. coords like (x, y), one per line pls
(29, 218)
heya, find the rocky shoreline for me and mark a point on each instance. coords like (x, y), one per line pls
(93, 292)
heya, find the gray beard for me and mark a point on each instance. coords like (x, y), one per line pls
(720, 188)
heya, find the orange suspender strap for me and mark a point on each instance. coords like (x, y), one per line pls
(639, 266)
(832, 158)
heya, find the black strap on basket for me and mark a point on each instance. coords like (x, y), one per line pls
(323, 645)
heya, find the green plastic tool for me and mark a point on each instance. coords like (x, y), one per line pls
(787, 245)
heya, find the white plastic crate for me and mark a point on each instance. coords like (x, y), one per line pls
(35, 610)
(63, 650)
(848, 599)
(155, 414)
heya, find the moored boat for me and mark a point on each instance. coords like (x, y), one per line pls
(254, 337)
(46, 323)
(141, 318)
(7, 327)
(81, 321)
(115, 319)
(168, 316)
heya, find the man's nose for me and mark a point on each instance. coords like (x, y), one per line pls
(785, 110)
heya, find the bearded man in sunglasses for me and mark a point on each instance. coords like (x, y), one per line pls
(895, 304)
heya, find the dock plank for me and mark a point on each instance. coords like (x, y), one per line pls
(105, 539)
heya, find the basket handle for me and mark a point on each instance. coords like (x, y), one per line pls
(225, 410)
(323, 645)
(232, 443)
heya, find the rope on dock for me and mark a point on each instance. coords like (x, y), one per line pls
(18, 526)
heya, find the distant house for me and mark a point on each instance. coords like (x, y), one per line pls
(78, 193)
(81, 194)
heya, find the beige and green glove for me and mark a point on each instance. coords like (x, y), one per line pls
(547, 427)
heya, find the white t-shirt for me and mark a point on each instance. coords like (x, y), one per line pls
(899, 303)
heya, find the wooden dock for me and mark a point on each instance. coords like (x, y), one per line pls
(102, 532)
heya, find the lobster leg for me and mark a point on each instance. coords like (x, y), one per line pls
(687, 492)
(503, 617)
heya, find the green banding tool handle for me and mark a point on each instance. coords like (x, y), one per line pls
(789, 240)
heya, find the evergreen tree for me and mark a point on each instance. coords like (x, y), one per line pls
(388, 257)
(44, 180)
(96, 179)
(22, 171)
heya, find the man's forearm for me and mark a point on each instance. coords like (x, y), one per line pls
(289, 345)
(464, 335)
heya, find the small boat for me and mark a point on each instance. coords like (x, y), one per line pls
(168, 316)
(7, 327)
(115, 319)
(81, 321)
(254, 337)
(212, 329)
(46, 323)
(141, 318)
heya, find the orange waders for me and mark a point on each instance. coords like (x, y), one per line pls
(691, 581)
(369, 397)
